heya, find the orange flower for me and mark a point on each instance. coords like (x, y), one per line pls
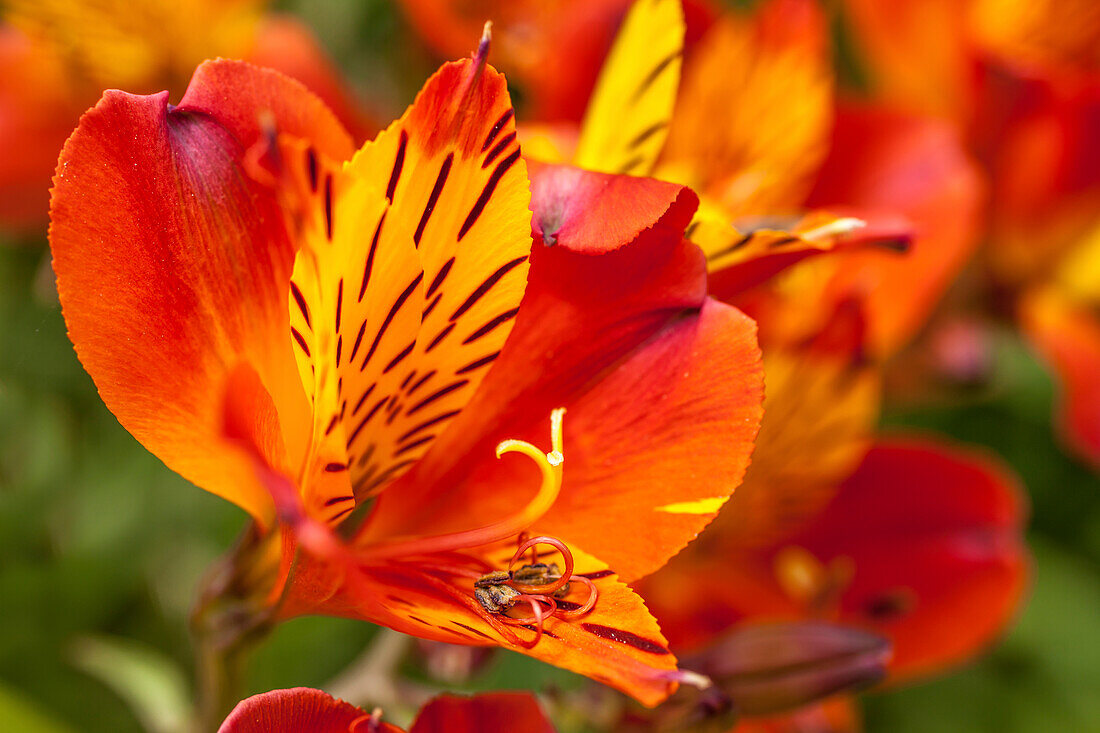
(59, 55)
(1024, 86)
(921, 544)
(337, 343)
(306, 709)
(753, 127)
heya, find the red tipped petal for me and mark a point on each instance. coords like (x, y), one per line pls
(298, 710)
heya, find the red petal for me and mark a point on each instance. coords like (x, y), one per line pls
(659, 444)
(298, 710)
(933, 535)
(912, 166)
(173, 266)
(497, 711)
(963, 558)
(581, 315)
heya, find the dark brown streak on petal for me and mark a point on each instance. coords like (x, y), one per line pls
(625, 637)
(487, 192)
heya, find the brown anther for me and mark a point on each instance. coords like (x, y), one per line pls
(497, 577)
(496, 598)
(540, 574)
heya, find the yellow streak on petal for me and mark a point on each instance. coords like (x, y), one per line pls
(698, 506)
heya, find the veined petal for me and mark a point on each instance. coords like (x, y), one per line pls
(627, 119)
(752, 121)
(173, 266)
(298, 709)
(431, 597)
(412, 266)
(595, 296)
(673, 425)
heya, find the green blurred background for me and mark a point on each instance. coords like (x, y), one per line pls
(101, 547)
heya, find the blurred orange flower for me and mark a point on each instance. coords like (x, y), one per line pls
(59, 55)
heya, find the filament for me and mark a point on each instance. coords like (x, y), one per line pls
(550, 466)
(588, 605)
(567, 556)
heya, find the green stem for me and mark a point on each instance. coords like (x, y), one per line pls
(232, 616)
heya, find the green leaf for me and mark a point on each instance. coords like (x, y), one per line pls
(151, 684)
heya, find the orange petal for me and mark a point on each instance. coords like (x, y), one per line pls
(820, 411)
(173, 266)
(491, 711)
(583, 314)
(299, 709)
(758, 155)
(431, 597)
(412, 266)
(889, 36)
(1067, 336)
(915, 167)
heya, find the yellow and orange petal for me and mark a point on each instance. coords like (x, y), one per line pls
(413, 260)
(746, 77)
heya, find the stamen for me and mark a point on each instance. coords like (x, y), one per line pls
(550, 465)
(536, 610)
(588, 605)
(567, 556)
(550, 602)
